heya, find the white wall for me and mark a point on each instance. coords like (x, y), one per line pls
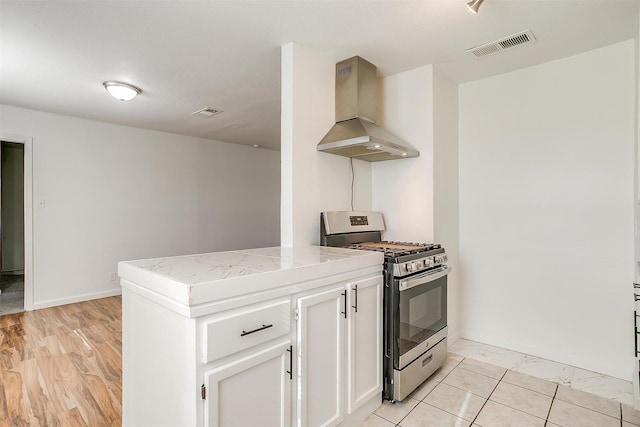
(546, 209)
(116, 193)
(446, 215)
(419, 196)
(637, 157)
(312, 182)
(403, 188)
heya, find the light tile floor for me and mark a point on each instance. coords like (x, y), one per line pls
(11, 294)
(484, 386)
(570, 376)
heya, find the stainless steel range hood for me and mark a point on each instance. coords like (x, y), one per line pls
(355, 133)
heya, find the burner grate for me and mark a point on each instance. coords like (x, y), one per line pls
(395, 249)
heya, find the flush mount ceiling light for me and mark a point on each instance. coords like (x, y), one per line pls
(474, 5)
(122, 91)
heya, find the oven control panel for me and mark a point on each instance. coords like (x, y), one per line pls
(409, 267)
(358, 220)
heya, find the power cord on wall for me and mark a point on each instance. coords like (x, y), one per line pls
(352, 179)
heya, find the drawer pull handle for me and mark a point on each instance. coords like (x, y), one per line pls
(255, 330)
(427, 360)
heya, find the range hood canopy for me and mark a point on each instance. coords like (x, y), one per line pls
(355, 133)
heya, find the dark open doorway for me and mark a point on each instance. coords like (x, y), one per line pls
(12, 236)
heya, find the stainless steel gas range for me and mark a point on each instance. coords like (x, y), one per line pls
(415, 297)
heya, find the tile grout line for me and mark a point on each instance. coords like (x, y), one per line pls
(488, 397)
(553, 399)
(621, 421)
(528, 389)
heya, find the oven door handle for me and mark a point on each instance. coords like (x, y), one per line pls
(424, 278)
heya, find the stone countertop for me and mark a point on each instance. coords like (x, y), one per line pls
(190, 280)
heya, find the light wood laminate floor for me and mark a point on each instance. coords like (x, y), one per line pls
(61, 366)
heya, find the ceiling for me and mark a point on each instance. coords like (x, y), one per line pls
(187, 55)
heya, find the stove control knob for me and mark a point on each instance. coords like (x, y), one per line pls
(440, 259)
(428, 262)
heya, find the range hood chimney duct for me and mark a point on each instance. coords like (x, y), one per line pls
(355, 133)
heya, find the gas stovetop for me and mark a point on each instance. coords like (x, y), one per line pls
(363, 231)
(407, 258)
(396, 249)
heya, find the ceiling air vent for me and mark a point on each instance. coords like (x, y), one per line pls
(502, 44)
(206, 112)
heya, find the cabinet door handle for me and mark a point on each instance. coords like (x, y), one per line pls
(344, 294)
(290, 371)
(356, 298)
(256, 330)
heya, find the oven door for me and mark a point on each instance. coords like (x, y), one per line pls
(421, 318)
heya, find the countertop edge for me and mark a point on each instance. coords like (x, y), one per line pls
(189, 299)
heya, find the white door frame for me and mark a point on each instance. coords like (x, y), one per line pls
(27, 141)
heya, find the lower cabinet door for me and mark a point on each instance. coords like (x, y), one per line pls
(320, 336)
(252, 391)
(364, 338)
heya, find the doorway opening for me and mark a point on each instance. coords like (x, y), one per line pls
(12, 227)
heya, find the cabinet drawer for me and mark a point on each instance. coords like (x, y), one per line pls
(244, 329)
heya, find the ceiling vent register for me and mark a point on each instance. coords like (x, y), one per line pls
(206, 112)
(514, 40)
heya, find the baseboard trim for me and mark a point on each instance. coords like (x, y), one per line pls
(78, 298)
(618, 370)
(452, 338)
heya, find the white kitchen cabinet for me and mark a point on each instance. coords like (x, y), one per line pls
(206, 338)
(254, 390)
(339, 351)
(320, 349)
(364, 338)
(243, 329)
